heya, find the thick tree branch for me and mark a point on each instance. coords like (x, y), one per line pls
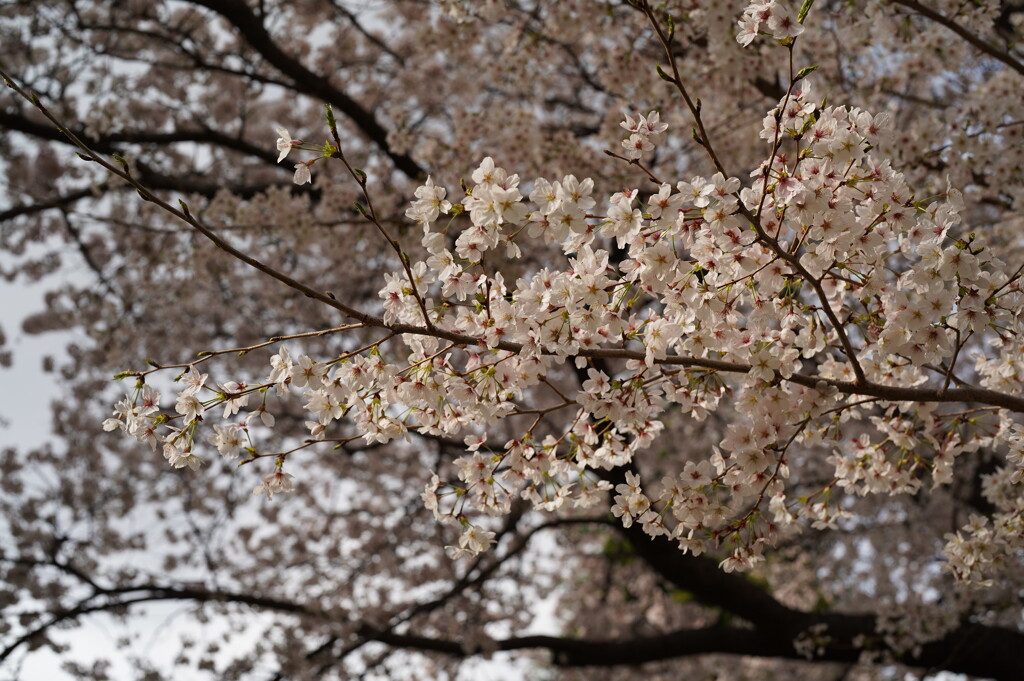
(981, 44)
(60, 201)
(251, 28)
(974, 649)
(700, 575)
(971, 649)
(106, 142)
(153, 179)
(123, 597)
(601, 652)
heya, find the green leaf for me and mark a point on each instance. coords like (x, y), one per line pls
(759, 582)
(664, 76)
(618, 551)
(809, 122)
(790, 289)
(804, 9)
(805, 71)
(330, 115)
(681, 596)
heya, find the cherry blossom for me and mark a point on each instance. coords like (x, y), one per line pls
(757, 360)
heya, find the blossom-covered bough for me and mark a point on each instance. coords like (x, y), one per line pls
(824, 290)
(847, 335)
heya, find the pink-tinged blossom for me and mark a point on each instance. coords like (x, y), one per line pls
(178, 451)
(228, 439)
(189, 406)
(236, 396)
(193, 380)
(280, 370)
(285, 143)
(429, 204)
(308, 373)
(783, 24)
(473, 541)
(636, 145)
(277, 482)
(659, 335)
(302, 174)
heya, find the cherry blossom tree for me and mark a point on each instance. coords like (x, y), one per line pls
(674, 338)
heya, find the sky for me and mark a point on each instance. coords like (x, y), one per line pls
(26, 392)
(24, 404)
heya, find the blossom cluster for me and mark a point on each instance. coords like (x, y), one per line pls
(640, 132)
(802, 295)
(985, 549)
(777, 16)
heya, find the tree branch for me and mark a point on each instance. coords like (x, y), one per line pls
(983, 46)
(149, 594)
(60, 201)
(860, 387)
(251, 28)
(975, 649)
(153, 179)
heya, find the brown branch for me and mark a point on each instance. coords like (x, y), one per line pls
(195, 60)
(122, 598)
(677, 80)
(106, 142)
(60, 201)
(983, 46)
(90, 262)
(251, 28)
(185, 215)
(861, 387)
(973, 649)
(701, 136)
(568, 652)
(153, 179)
(377, 42)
